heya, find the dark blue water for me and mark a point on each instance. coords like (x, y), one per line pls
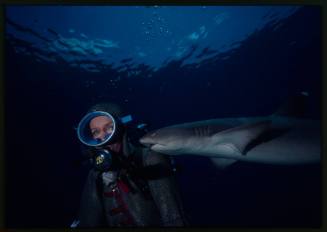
(44, 102)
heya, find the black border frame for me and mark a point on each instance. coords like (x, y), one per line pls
(320, 3)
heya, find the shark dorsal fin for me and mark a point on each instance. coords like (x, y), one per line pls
(295, 106)
(236, 139)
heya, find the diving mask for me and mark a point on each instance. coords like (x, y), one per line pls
(86, 135)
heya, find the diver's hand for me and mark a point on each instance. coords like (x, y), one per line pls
(109, 177)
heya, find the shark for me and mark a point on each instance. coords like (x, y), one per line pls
(282, 138)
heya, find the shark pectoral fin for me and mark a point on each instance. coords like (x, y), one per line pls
(240, 137)
(222, 163)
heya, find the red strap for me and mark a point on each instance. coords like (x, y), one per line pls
(110, 194)
(122, 186)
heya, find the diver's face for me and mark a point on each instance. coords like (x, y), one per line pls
(101, 127)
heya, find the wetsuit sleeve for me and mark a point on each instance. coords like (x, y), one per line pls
(164, 192)
(91, 209)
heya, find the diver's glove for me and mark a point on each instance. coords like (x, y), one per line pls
(109, 177)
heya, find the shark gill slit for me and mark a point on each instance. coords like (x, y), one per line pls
(201, 131)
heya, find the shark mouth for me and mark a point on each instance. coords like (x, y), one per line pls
(152, 145)
(157, 146)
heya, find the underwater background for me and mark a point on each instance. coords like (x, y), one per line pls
(165, 65)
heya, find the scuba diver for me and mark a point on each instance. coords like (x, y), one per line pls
(128, 185)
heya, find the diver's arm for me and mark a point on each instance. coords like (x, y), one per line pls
(165, 193)
(91, 209)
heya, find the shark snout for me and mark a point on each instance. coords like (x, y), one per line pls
(148, 139)
(145, 142)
